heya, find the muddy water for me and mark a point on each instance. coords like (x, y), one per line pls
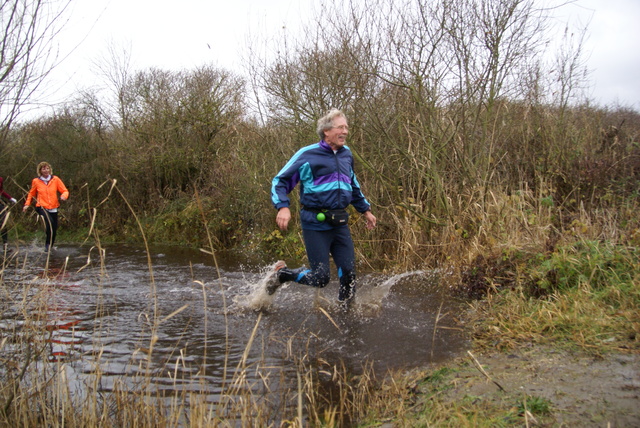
(104, 311)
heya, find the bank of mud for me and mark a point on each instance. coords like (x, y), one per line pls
(496, 388)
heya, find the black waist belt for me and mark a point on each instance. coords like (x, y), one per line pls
(315, 210)
(339, 217)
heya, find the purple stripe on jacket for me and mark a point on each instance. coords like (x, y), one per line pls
(331, 178)
(291, 183)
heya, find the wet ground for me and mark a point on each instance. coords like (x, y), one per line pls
(583, 391)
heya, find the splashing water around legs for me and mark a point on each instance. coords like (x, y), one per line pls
(259, 298)
(367, 303)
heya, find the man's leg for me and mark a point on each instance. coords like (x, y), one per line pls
(343, 254)
(317, 244)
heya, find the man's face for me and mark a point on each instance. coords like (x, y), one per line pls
(337, 135)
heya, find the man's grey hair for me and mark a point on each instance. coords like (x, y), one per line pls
(325, 123)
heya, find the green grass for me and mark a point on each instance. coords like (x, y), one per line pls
(583, 295)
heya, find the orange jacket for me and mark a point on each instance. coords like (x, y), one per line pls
(46, 194)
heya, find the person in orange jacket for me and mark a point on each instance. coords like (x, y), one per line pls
(45, 189)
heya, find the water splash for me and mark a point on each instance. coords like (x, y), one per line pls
(368, 302)
(369, 299)
(258, 299)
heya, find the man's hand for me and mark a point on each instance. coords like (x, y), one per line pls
(283, 217)
(370, 219)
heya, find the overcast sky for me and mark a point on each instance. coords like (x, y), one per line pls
(612, 48)
(187, 33)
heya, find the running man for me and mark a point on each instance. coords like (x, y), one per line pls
(328, 185)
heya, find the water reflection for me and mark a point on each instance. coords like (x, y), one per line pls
(175, 316)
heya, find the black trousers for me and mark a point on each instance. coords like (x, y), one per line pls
(5, 230)
(320, 245)
(50, 225)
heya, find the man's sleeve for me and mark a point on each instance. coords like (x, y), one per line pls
(285, 181)
(358, 200)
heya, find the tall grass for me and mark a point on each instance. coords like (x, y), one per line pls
(586, 295)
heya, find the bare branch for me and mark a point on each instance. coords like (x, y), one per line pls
(27, 53)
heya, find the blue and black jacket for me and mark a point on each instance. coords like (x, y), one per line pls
(327, 181)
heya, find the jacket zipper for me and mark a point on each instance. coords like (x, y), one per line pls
(340, 195)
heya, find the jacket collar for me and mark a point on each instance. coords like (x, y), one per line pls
(326, 146)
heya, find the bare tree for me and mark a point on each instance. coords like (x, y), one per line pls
(27, 56)
(116, 69)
